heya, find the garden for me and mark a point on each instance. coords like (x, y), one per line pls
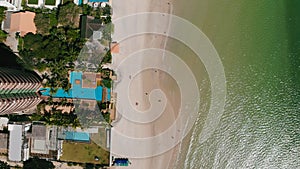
(33, 2)
(50, 2)
(84, 153)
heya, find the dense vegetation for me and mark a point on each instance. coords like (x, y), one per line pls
(54, 48)
(105, 75)
(68, 15)
(57, 44)
(4, 165)
(2, 13)
(3, 34)
(98, 13)
(56, 117)
(37, 163)
(45, 21)
(55, 51)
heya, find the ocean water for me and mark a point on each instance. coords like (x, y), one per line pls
(259, 45)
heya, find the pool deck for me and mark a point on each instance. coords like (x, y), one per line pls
(77, 91)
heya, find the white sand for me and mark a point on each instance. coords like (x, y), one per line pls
(142, 84)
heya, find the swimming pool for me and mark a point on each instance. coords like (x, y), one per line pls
(77, 91)
(77, 136)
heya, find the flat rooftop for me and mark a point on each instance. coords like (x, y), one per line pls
(15, 142)
(39, 131)
(23, 22)
(3, 142)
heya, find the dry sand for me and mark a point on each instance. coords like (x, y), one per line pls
(142, 84)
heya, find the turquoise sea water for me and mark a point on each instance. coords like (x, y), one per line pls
(259, 45)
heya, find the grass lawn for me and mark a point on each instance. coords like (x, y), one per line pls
(84, 153)
(33, 1)
(50, 2)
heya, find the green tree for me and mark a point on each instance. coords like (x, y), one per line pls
(53, 18)
(107, 57)
(37, 163)
(106, 32)
(33, 42)
(68, 15)
(19, 118)
(89, 166)
(106, 116)
(107, 20)
(4, 165)
(42, 22)
(2, 13)
(106, 83)
(86, 9)
(107, 10)
(3, 36)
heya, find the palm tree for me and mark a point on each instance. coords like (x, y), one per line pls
(2, 13)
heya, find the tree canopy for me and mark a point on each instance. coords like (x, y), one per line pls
(3, 34)
(37, 163)
(2, 13)
(4, 165)
(56, 51)
(42, 22)
(68, 15)
(57, 44)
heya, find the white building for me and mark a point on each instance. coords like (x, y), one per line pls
(11, 5)
(18, 149)
(3, 122)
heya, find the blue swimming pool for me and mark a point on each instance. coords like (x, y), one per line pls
(77, 136)
(77, 91)
(98, 0)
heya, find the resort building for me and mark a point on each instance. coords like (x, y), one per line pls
(18, 148)
(18, 90)
(44, 142)
(22, 22)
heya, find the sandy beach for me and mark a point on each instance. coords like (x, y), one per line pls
(141, 86)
